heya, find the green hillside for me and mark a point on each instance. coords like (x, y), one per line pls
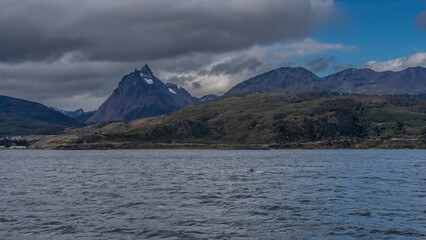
(269, 121)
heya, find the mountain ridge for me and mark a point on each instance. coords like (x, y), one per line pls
(284, 79)
(367, 81)
(289, 80)
(71, 114)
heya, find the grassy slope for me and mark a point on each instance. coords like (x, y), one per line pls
(281, 121)
(12, 124)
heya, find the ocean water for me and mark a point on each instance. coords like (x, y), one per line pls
(184, 194)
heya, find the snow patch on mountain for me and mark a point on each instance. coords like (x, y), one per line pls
(172, 91)
(149, 81)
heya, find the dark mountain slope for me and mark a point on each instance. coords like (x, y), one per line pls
(411, 81)
(82, 118)
(281, 80)
(21, 117)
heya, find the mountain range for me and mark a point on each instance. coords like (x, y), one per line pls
(140, 94)
(408, 82)
(71, 114)
(290, 80)
(79, 115)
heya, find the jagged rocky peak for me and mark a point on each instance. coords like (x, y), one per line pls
(140, 94)
(146, 71)
(146, 74)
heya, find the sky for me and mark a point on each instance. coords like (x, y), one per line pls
(72, 54)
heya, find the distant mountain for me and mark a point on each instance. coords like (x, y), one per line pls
(71, 114)
(79, 115)
(208, 97)
(82, 118)
(281, 80)
(21, 117)
(409, 82)
(140, 94)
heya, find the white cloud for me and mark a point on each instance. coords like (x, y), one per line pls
(305, 48)
(88, 101)
(418, 59)
(271, 57)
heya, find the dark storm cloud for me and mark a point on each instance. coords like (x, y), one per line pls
(233, 66)
(72, 54)
(196, 85)
(28, 31)
(47, 81)
(31, 47)
(421, 21)
(182, 64)
(129, 30)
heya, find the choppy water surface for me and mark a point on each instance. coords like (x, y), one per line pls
(211, 195)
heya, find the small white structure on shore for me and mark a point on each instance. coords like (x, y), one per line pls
(18, 147)
(15, 138)
(2, 147)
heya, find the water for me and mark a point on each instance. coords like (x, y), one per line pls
(212, 195)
